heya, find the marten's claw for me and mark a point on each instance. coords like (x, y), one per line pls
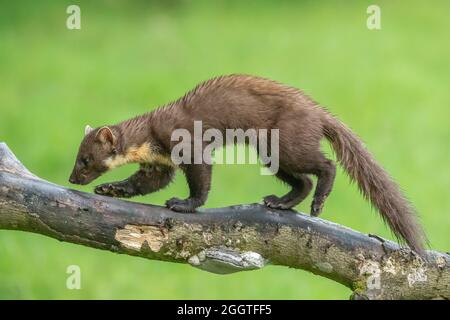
(317, 205)
(316, 209)
(275, 202)
(102, 190)
(179, 205)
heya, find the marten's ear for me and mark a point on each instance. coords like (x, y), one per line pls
(105, 135)
(88, 129)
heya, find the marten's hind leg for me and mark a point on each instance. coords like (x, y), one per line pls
(325, 170)
(301, 186)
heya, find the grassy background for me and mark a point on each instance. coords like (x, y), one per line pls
(391, 86)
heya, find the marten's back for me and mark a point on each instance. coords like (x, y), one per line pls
(243, 101)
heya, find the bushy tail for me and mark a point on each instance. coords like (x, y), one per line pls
(375, 184)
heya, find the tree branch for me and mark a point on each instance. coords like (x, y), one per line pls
(220, 240)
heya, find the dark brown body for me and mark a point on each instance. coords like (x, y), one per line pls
(246, 102)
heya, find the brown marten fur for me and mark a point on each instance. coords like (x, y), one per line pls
(241, 101)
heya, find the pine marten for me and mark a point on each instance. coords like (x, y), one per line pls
(242, 101)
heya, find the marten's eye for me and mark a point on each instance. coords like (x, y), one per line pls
(85, 161)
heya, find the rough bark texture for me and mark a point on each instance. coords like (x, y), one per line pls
(220, 240)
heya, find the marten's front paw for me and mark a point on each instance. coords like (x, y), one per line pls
(275, 202)
(180, 205)
(112, 190)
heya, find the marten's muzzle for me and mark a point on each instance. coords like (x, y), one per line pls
(83, 179)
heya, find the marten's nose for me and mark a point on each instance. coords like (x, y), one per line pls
(73, 180)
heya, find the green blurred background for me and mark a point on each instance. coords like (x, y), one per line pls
(391, 86)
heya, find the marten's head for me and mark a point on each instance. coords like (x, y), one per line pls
(97, 147)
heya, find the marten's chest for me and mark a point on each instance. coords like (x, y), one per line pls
(139, 154)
